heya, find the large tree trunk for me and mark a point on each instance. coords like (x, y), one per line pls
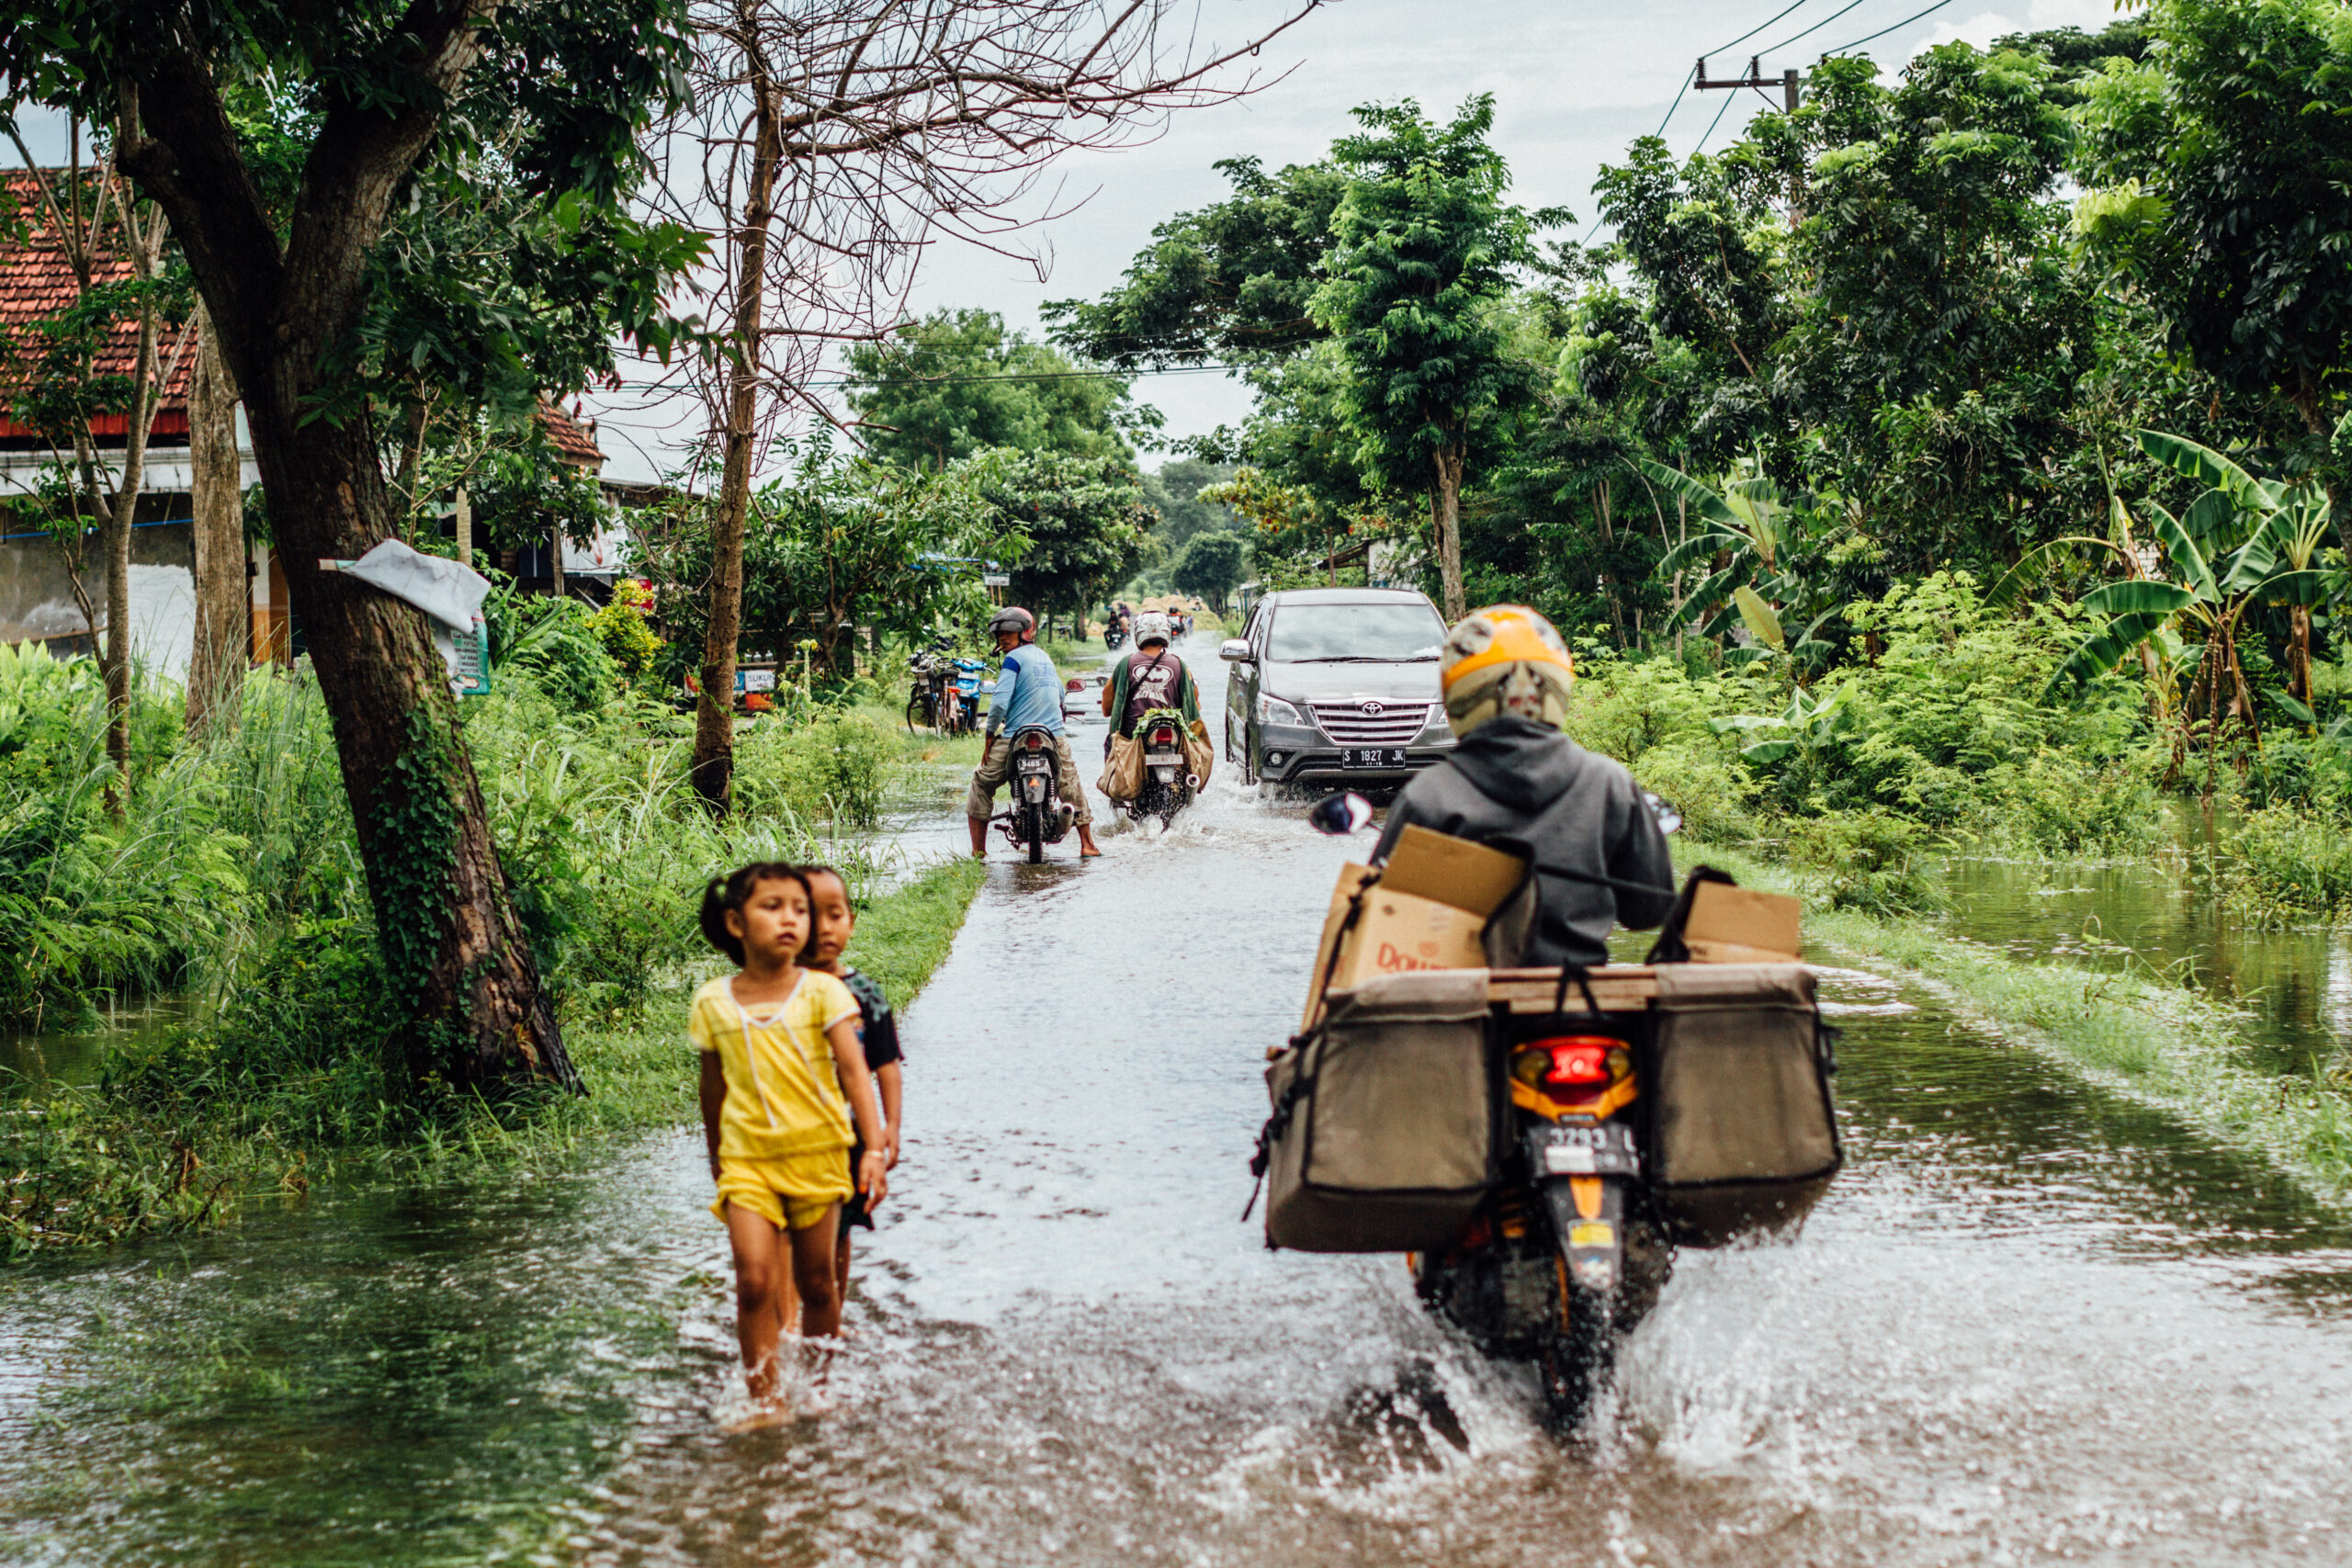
(472, 1009)
(714, 759)
(471, 1006)
(222, 647)
(1445, 509)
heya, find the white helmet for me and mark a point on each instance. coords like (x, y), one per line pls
(1151, 628)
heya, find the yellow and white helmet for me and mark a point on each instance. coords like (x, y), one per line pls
(1505, 659)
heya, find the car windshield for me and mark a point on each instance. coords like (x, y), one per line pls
(1348, 633)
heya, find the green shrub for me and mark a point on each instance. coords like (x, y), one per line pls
(1872, 861)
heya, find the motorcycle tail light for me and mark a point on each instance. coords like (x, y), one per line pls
(1575, 1061)
(1163, 736)
(1036, 742)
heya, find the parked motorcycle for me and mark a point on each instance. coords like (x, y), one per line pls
(969, 684)
(1691, 1111)
(1037, 816)
(1168, 783)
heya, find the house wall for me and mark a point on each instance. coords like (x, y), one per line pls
(37, 594)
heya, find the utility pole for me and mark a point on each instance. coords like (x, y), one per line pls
(1787, 81)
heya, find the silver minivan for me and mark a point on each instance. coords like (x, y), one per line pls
(1336, 682)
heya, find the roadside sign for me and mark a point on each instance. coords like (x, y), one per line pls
(995, 580)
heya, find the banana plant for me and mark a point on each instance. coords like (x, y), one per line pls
(1743, 523)
(2242, 541)
(1808, 720)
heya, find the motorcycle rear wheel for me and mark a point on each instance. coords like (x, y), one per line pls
(1032, 828)
(918, 716)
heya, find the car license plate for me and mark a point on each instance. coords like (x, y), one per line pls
(1373, 757)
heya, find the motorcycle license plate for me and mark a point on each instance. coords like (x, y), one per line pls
(1605, 1150)
(1373, 757)
(1164, 759)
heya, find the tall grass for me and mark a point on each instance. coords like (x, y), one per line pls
(233, 879)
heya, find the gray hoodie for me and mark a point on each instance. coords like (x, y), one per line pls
(1525, 788)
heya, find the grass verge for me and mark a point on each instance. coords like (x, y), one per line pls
(2159, 1041)
(134, 1155)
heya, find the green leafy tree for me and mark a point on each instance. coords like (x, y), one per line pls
(1175, 494)
(394, 105)
(1212, 565)
(1084, 519)
(1424, 245)
(2219, 165)
(834, 544)
(1233, 282)
(958, 382)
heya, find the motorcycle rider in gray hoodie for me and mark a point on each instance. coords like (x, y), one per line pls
(1515, 781)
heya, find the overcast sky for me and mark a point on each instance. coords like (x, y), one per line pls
(1573, 86)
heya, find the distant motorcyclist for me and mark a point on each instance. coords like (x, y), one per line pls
(1151, 677)
(1028, 693)
(1506, 674)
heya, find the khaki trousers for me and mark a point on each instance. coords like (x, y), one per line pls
(996, 763)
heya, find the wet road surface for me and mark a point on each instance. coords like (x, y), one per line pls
(2032, 1322)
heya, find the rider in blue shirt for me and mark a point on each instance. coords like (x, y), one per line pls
(1028, 693)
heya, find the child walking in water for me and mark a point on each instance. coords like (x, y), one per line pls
(782, 1080)
(877, 1032)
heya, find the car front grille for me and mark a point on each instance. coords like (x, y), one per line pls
(1395, 725)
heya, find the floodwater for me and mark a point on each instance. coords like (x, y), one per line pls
(2033, 1322)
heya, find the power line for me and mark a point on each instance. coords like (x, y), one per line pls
(1906, 22)
(1712, 124)
(1691, 76)
(1815, 28)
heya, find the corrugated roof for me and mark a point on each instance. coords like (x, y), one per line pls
(37, 281)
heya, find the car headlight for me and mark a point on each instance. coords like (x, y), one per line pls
(1273, 710)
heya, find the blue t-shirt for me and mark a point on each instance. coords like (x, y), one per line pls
(1028, 692)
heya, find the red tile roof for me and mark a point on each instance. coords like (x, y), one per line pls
(37, 281)
(573, 442)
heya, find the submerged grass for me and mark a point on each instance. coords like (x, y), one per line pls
(2148, 1034)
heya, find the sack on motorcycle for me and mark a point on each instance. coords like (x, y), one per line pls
(1385, 1126)
(1744, 1136)
(1123, 769)
(1200, 756)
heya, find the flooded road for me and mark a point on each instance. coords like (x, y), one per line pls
(2032, 1323)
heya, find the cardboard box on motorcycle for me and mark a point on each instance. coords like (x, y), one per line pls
(1426, 911)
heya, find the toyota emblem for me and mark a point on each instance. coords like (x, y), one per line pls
(1373, 710)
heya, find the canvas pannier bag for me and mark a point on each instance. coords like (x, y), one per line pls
(1387, 1117)
(1122, 769)
(1743, 1135)
(1199, 755)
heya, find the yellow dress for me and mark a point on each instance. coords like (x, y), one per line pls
(785, 1128)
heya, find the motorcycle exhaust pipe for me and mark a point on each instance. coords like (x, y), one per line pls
(1192, 782)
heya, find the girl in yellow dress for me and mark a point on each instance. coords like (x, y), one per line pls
(782, 1076)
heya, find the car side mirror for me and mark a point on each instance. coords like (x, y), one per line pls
(1340, 814)
(1233, 649)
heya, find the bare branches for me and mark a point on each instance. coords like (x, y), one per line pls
(902, 122)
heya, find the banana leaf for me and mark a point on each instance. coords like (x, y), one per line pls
(2211, 519)
(1704, 597)
(2250, 565)
(2199, 462)
(1703, 502)
(2138, 596)
(2103, 650)
(2187, 560)
(1762, 622)
(2306, 587)
(2033, 570)
(1696, 548)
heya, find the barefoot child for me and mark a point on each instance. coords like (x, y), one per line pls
(877, 1032)
(779, 1047)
